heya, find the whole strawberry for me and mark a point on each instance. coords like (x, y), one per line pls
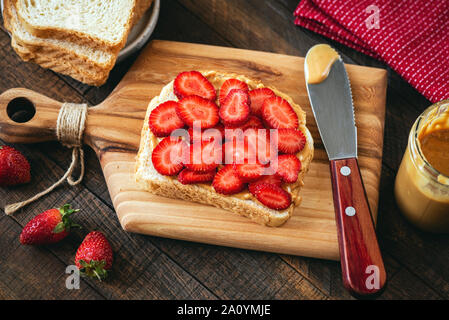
(48, 227)
(94, 256)
(14, 167)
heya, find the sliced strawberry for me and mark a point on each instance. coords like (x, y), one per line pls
(163, 119)
(232, 133)
(249, 171)
(259, 140)
(288, 167)
(216, 133)
(235, 109)
(187, 176)
(253, 122)
(167, 156)
(193, 83)
(238, 151)
(226, 181)
(194, 108)
(273, 196)
(271, 179)
(203, 156)
(290, 140)
(258, 96)
(229, 85)
(278, 113)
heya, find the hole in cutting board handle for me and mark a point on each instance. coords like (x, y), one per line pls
(20, 110)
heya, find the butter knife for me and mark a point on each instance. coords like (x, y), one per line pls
(362, 266)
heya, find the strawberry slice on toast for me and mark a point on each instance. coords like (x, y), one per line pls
(235, 109)
(278, 113)
(168, 155)
(258, 97)
(164, 119)
(196, 109)
(193, 83)
(187, 176)
(227, 181)
(229, 85)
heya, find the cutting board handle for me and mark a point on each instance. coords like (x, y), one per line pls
(27, 116)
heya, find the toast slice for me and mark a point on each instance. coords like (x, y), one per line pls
(242, 203)
(82, 63)
(101, 24)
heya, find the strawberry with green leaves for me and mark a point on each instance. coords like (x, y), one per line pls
(94, 256)
(50, 226)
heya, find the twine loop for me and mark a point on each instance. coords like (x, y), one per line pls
(69, 131)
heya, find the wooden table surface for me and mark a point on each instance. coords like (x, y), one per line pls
(155, 268)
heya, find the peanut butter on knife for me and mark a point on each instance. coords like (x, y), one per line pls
(319, 61)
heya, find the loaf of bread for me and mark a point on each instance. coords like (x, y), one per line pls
(68, 36)
(81, 62)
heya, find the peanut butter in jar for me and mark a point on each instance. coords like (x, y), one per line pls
(422, 182)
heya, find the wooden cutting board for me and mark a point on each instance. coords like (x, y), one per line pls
(113, 131)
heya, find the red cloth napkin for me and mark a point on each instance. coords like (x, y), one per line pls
(412, 38)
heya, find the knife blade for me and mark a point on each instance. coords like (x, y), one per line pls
(330, 97)
(332, 106)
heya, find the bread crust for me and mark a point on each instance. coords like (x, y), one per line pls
(78, 37)
(141, 7)
(60, 59)
(171, 188)
(57, 58)
(93, 79)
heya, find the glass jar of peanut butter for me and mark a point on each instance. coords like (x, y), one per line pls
(422, 182)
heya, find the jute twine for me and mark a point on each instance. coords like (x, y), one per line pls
(69, 131)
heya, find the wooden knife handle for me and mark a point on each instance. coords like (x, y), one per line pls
(361, 261)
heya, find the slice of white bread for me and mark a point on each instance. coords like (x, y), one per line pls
(243, 203)
(82, 63)
(102, 24)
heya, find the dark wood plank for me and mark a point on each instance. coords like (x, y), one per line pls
(140, 269)
(97, 185)
(44, 279)
(45, 172)
(326, 275)
(206, 271)
(239, 274)
(274, 21)
(405, 285)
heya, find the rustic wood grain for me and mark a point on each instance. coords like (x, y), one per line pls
(173, 282)
(403, 106)
(141, 270)
(113, 131)
(241, 274)
(416, 262)
(46, 278)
